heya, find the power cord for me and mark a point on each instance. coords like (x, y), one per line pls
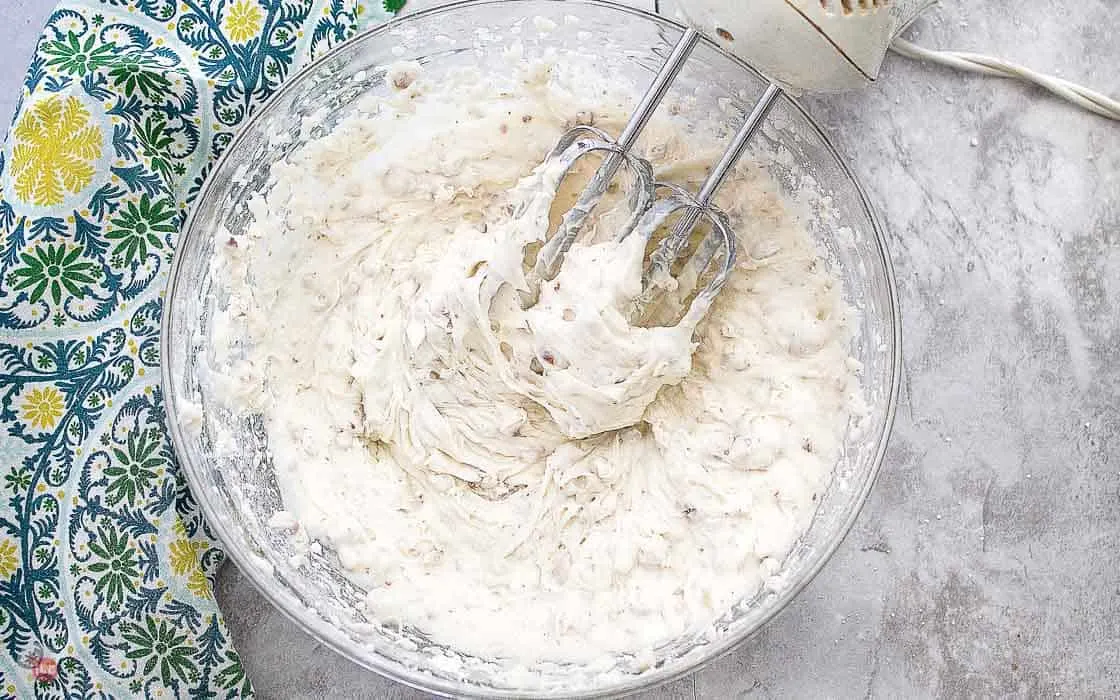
(1091, 100)
(1079, 95)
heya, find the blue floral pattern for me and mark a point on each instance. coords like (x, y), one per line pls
(105, 562)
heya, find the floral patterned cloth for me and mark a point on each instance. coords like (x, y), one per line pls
(105, 562)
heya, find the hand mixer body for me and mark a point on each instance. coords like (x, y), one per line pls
(819, 45)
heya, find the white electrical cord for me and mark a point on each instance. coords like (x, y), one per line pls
(976, 63)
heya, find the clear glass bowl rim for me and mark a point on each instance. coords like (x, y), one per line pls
(419, 680)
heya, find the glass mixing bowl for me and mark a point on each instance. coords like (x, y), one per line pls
(233, 480)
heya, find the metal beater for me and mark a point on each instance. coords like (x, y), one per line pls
(854, 35)
(653, 203)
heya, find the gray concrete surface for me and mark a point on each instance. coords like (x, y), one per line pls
(20, 24)
(985, 563)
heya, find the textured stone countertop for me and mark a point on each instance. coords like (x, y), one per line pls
(985, 563)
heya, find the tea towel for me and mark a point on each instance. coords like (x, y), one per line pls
(105, 563)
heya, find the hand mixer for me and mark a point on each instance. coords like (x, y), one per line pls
(866, 35)
(799, 44)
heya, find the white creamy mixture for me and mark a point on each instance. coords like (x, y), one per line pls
(548, 484)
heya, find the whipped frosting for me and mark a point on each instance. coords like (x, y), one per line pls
(541, 484)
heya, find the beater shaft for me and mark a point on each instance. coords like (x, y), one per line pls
(660, 86)
(730, 157)
(692, 208)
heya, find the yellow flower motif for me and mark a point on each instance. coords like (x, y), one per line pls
(9, 559)
(198, 584)
(43, 407)
(184, 556)
(55, 147)
(243, 21)
(184, 562)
